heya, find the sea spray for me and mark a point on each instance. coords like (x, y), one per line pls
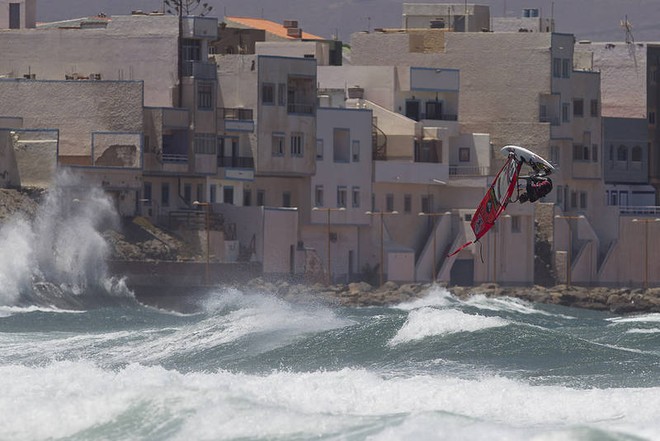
(59, 257)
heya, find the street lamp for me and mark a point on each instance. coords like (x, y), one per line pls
(570, 244)
(382, 257)
(646, 248)
(207, 207)
(434, 215)
(328, 210)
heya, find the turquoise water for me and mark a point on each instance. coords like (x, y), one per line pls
(81, 359)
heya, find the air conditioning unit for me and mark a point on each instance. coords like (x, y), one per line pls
(95, 76)
(294, 32)
(333, 237)
(290, 23)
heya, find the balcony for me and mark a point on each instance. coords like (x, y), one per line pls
(236, 162)
(200, 70)
(301, 108)
(200, 27)
(469, 170)
(236, 119)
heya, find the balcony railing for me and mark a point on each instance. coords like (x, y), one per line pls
(236, 113)
(553, 120)
(236, 162)
(469, 170)
(443, 117)
(648, 210)
(200, 70)
(175, 158)
(303, 108)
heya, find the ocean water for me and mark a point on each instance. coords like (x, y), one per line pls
(82, 359)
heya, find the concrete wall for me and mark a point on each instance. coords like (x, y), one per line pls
(75, 108)
(622, 67)
(280, 239)
(138, 47)
(331, 173)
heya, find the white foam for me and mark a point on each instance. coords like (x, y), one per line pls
(509, 304)
(642, 318)
(64, 399)
(427, 322)
(643, 331)
(437, 296)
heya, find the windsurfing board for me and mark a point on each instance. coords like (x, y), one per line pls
(530, 158)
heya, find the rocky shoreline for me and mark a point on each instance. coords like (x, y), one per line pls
(614, 300)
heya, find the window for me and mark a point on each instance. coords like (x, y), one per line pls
(412, 109)
(297, 144)
(301, 94)
(247, 197)
(341, 196)
(389, 202)
(228, 194)
(623, 198)
(543, 113)
(651, 117)
(318, 196)
(286, 199)
(566, 68)
(281, 94)
(464, 154)
(146, 193)
(212, 193)
(578, 107)
(14, 15)
(200, 193)
(594, 108)
(594, 152)
(434, 110)
(556, 67)
(356, 150)
(268, 93)
(636, 154)
(356, 197)
(187, 193)
(340, 145)
(560, 195)
(565, 112)
(581, 152)
(192, 49)
(515, 224)
(573, 199)
(204, 96)
(426, 204)
(611, 152)
(278, 144)
(205, 144)
(261, 198)
(622, 153)
(407, 203)
(554, 154)
(165, 194)
(614, 198)
(583, 200)
(319, 149)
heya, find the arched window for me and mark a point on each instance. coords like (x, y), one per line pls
(622, 153)
(636, 154)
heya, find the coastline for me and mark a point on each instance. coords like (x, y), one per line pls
(614, 300)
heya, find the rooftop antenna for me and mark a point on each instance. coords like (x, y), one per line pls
(630, 40)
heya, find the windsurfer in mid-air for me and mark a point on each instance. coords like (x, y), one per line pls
(537, 187)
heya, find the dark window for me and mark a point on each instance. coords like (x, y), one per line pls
(434, 110)
(578, 107)
(594, 108)
(14, 15)
(228, 194)
(286, 199)
(247, 197)
(636, 154)
(205, 96)
(187, 193)
(389, 202)
(261, 198)
(192, 49)
(412, 109)
(146, 193)
(268, 93)
(407, 203)
(464, 154)
(165, 194)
